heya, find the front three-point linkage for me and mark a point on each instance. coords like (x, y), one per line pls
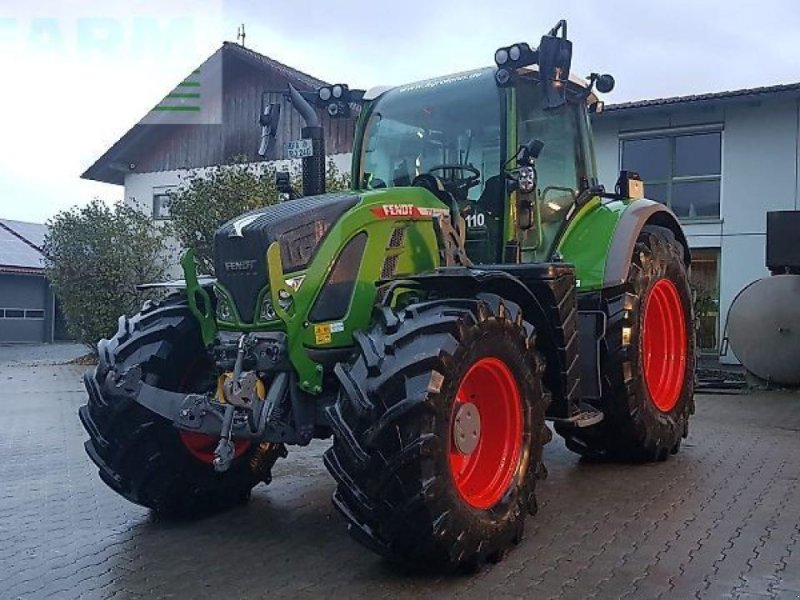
(239, 393)
(244, 406)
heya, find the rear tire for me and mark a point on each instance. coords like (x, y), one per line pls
(405, 489)
(647, 397)
(141, 455)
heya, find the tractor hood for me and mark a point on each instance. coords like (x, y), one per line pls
(240, 245)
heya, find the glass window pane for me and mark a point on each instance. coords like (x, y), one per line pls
(656, 191)
(695, 198)
(560, 162)
(704, 279)
(13, 313)
(650, 158)
(34, 314)
(697, 154)
(161, 204)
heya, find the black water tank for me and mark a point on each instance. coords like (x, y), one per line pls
(783, 241)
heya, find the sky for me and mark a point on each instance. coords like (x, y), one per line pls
(77, 75)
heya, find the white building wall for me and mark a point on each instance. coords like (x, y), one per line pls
(760, 173)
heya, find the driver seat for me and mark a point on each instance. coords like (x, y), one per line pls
(435, 186)
(492, 197)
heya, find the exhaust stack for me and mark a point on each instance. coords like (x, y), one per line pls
(314, 165)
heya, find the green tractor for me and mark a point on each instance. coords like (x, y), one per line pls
(475, 283)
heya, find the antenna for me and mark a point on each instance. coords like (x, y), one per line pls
(240, 35)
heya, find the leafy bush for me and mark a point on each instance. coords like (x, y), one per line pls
(209, 197)
(95, 256)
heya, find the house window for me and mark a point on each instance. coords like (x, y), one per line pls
(682, 170)
(21, 313)
(704, 280)
(162, 198)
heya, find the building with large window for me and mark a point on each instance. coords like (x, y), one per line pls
(720, 161)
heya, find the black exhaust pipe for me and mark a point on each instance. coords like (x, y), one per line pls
(314, 165)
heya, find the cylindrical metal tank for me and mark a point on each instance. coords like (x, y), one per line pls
(764, 328)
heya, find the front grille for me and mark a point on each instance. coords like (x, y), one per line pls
(298, 244)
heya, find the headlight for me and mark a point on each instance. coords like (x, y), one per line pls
(224, 311)
(284, 299)
(267, 310)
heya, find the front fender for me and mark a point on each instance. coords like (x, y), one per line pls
(547, 299)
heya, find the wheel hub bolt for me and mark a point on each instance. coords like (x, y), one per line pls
(467, 428)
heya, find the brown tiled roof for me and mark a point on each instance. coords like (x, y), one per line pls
(109, 167)
(265, 61)
(711, 96)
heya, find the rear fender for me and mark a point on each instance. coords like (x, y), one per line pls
(601, 238)
(632, 221)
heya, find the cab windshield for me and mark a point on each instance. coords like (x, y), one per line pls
(412, 129)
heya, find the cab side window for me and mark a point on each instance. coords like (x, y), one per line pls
(561, 166)
(562, 161)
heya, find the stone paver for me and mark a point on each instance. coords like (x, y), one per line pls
(719, 520)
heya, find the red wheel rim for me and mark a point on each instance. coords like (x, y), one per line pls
(483, 476)
(202, 445)
(664, 345)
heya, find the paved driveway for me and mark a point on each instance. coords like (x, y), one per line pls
(721, 519)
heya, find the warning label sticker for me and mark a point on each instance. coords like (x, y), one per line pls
(322, 333)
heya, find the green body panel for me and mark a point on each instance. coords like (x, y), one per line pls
(204, 316)
(418, 253)
(588, 237)
(510, 229)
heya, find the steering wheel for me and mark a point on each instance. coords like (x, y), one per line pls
(458, 185)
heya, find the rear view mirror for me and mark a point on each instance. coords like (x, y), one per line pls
(269, 119)
(605, 83)
(555, 58)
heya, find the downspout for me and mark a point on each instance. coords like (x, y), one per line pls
(797, 154)
(314, 165)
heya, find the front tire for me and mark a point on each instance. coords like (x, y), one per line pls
(438, 432)
(647, 359)
(141, 455)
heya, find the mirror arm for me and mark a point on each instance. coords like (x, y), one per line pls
(562, 25)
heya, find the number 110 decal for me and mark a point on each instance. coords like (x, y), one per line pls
(476, 220)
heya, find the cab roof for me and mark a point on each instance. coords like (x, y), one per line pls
(377, 91)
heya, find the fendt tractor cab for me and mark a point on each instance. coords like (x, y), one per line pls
(475, 282)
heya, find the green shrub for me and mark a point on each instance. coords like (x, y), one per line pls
(95, 256)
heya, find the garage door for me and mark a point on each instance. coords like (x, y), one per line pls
(22, 325)
(22, 308)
